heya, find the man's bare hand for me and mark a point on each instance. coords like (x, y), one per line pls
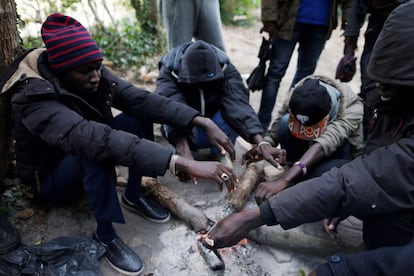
(270, 28)
(216, 136)
(275, 156)
(331, 227)
(269, 188)
(214, 171)
(231, 229)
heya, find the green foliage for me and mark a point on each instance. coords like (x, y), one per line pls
(38, 10)
(147, 15)
(131, 47)
(128, 48)
(238, 12)
(32, 42)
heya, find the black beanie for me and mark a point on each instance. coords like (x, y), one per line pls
(199, 64)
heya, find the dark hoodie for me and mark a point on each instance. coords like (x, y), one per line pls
(200, 75)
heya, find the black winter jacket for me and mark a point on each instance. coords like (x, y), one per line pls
(51, 121)
(231, 97)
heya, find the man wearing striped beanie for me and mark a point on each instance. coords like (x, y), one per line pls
(68, 142)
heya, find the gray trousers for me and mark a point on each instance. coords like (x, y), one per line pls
(187, 19)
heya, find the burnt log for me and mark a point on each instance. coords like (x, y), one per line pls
(194, 217)
(247, 183)
(301, 242)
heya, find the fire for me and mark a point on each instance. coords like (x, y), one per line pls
(244, 242)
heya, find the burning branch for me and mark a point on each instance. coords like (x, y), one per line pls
(195, 218)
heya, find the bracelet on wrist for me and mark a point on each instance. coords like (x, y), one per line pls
(172, 167)
(262, 143)
(302, 166)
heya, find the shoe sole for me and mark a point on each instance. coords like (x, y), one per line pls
(124, 271)
(145, 216)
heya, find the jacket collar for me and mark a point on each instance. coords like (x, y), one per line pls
(23, 68)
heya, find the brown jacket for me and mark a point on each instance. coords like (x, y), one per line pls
(284, 13)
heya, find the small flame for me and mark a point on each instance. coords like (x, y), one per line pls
(244, 242)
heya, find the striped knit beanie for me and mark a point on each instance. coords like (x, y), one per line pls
(68, 43)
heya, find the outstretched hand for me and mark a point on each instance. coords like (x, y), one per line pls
(216, 136)
(211, 170)
(267, 189)
(231, 229)
(220, 140)
(274, 156)
(331, 226)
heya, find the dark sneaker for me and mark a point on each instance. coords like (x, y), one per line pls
(148, 208)
(9, 236)
(122, 258)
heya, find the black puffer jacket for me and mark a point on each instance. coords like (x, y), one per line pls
(382, 180)
(51, 121)
(231, 97)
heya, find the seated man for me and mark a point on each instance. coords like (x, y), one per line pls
(67, 140)
(320, 127)
(201, 76)
(376, 187)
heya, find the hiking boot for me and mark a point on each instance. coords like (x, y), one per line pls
(122, 258)
(148, 208)
(9, 236)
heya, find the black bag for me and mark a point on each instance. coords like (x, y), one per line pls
(256, 79)
(61, 256)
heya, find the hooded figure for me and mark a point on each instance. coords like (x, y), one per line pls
(200, 75)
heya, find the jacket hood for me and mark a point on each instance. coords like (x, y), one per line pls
(23, 68)
(179, 61)
(392, 58)
(199, 64)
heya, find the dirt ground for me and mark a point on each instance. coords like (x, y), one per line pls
(170, 249)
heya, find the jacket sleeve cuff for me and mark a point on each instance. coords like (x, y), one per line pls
(267, 215)
(336, 266)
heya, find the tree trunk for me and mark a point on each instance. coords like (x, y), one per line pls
(10, 48)
(146, 12)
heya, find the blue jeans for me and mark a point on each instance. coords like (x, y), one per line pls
(311, 39)
(73, 176)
